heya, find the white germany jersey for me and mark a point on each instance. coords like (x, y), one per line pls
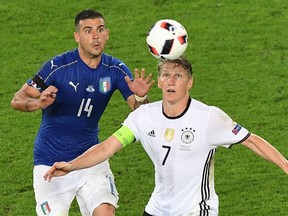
(182, 150)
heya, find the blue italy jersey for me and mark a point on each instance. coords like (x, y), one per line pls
(70, 125)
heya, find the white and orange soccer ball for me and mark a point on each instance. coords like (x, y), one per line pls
(167, 39)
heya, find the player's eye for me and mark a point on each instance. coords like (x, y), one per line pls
(166, 76)
(101, 29)
(87, 31)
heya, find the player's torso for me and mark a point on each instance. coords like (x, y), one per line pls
(175, 141)
(181, 156)
(70, 125)
(82, 92)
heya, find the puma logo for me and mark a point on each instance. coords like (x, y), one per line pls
(73, 85)
(52, 64)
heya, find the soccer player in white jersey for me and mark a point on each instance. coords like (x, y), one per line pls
(72, 90)
(180, 135)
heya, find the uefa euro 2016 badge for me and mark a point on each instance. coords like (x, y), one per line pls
(169, 134)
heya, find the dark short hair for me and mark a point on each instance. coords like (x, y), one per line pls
(181, 61)
(87, 14)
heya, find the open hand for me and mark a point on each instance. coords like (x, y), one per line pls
(141, 85)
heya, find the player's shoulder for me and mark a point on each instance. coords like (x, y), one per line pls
(197, 105)
(60, 61)
(150, 107)
(66, 57)
(112, 62)
(200, 106)
(211, 109)
(146, 111)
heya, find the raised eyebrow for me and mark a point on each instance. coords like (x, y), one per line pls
(102, 25)
(90, 27)
(87, 27)
(164, 73)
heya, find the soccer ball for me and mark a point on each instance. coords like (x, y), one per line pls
(167, 39)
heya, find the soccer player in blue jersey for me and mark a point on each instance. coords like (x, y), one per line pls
(72, 90)
(182, 145)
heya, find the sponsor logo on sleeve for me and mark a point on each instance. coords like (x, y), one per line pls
(236, 129)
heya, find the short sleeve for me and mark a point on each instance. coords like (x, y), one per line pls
(223, 131)
(121, 83)
(132, 122)
(40, 80)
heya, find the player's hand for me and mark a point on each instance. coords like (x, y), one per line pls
(141, 85)
(58, 169)
(47, 97)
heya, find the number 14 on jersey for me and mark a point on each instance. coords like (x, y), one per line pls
(85, 108)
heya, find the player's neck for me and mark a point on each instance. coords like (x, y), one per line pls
(91, 61)
(175, 109)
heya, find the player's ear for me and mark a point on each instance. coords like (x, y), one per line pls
(190, 82)
(159, 83)
(76, 37)
(107, 34)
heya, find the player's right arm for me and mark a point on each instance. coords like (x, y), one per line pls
(29, 99)
(94, 155)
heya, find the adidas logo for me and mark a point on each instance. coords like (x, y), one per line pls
(152, 133)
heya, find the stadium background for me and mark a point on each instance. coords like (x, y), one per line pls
(239, 55)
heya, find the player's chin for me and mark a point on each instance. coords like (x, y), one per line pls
(170, 96)
(97, 50)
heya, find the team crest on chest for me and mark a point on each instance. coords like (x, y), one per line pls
(104, 84)
(169, 134)
(187, 135)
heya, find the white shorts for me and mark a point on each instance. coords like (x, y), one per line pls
(92, 187)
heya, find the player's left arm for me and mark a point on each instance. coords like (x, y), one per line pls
(264, 149)
(140, 87)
